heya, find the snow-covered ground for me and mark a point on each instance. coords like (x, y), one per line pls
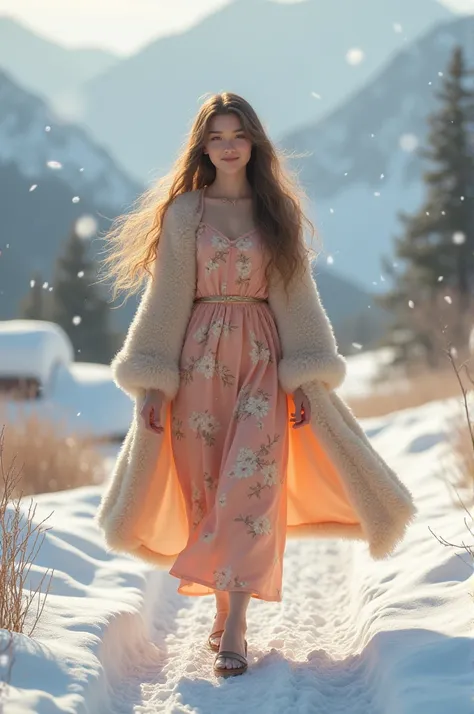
(351, 635)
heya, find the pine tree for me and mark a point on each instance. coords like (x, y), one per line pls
(438, 242)
(36, 305)
(78, 307)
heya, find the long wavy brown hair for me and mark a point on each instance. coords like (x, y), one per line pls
(132, 241)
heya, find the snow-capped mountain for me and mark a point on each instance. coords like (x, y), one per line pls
(293, 61)
(51, 174)
(360, 165)
(39, 143)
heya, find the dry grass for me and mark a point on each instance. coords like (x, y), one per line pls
(20, 541)
(51, 460)
(414, 390)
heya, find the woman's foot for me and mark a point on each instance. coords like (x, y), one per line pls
(218, 624)
(233, 640)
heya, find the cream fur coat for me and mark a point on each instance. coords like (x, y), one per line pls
(338, 485)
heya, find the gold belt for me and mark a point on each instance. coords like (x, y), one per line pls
(229, 298)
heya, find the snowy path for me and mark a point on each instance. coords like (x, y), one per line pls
(352, 635)
(312, 623)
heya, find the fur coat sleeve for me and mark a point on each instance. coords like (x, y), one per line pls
(309, 349)
(149, 357)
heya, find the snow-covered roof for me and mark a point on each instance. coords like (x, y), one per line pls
(30, 348)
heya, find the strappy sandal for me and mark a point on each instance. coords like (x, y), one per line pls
(233, 671)
(214, 646)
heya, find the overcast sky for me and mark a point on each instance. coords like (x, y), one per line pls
(122, 25)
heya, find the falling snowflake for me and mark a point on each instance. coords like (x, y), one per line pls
(354, 56)
(448, 299)
(408, 142)
(76, 199)
(357, 346)
(54, 165)
(86, 227)
(397, 27)
(76, 320)
(32, 188)
(411, 304)
(330, 260)
(459, 238)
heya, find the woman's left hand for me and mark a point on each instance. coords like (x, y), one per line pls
(302, 414)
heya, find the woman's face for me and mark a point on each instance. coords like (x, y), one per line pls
(226, 144)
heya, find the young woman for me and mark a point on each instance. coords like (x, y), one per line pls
(238, 438)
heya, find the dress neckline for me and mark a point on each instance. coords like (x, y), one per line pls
(213, 228)
(223, 235)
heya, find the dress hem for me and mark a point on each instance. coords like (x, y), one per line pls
(199, 581)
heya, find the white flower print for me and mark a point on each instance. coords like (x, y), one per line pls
(205, 425)
(212, 264)
(224, 288)
(259, 351)
(219, 242)
(243, 265)
(256, 526)
(206, 365)
(222, 577)
(217, 327)
(195, 420)
(208, 422)
(249, 462)
(209, 482)
(270, 474)
(262, 526)
(244, 244)
(201, 334)
(246, 463)
(198, 504)
(256, 406)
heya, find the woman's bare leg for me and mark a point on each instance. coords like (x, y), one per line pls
(235, 629)
(222, 609)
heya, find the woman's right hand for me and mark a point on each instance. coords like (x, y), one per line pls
(151, 410)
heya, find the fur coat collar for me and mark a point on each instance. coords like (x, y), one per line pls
(337, 484)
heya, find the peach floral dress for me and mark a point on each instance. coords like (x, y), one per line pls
(230, 428)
